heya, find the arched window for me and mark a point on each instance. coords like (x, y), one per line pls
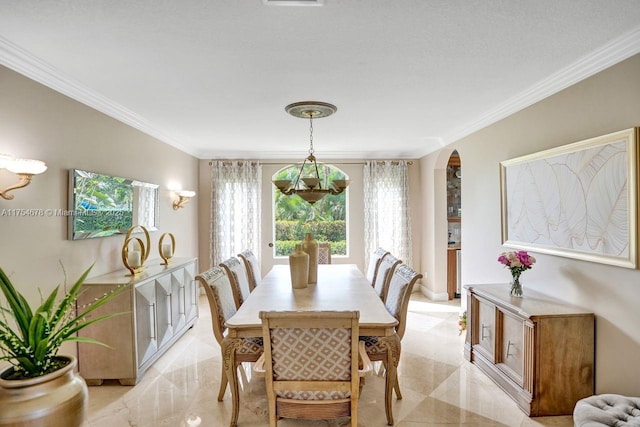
(294, 217)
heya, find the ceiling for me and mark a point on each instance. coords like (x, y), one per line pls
(212, 77)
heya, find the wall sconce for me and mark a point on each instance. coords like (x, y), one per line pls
(24, 168)
(183, 198)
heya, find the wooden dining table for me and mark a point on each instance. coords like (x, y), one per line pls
(339, 287)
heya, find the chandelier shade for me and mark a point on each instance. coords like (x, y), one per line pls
(309, 187)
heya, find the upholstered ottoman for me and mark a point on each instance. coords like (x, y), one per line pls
(607, 410)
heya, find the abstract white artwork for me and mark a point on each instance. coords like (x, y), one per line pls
(577, 200)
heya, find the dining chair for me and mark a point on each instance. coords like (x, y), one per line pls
(311, 364)
(217, 287)
(374, 263)
(252, 266)
(239, 280)
(387, 267)
(400, 287)
(324, 253)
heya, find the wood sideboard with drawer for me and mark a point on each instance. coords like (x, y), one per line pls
(538, 350)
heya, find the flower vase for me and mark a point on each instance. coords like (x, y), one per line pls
(516, 286)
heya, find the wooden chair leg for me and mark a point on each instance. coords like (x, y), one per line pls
(396, 387)
(229, 346)
(223, 384)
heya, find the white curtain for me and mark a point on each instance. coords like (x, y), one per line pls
(235, 209)
(387, 222)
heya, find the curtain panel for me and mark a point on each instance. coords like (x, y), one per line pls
(387, 222)
(235, 209)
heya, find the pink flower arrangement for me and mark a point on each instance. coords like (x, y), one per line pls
(516, 261)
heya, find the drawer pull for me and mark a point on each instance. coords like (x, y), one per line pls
(509, 344)
(482, 335)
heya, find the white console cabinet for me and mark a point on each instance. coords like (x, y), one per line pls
(158, 308)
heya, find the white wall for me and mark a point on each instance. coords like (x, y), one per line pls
(604, 103)
(37, 122)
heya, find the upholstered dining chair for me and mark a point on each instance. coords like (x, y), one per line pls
(324, 253)
(239, 280)
(400, 287)
(217, 287)
(387, 267)
(252, 266)
(310, 364)
(374, 263)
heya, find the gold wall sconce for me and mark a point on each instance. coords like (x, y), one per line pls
(183, 198)
(24, 168)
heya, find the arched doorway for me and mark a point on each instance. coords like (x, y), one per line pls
(454, 223)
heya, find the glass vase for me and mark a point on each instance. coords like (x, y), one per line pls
(516, 286)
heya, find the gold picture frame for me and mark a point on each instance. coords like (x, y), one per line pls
(577, 200)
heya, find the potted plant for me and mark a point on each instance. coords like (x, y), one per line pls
(41, 387)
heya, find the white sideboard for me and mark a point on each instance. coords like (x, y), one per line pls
(159, 307)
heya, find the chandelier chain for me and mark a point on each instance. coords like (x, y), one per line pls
(311, 151)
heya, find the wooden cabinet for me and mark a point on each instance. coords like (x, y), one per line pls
(538, 350)
(158, 308)
(452, 272)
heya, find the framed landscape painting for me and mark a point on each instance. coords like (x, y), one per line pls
(578, 200)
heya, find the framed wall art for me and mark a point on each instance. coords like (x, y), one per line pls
(578, 200)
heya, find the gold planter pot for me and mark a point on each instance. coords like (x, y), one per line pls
(58, 399)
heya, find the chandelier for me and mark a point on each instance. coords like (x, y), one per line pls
(309, 187)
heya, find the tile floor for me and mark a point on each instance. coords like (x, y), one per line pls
(439, 387)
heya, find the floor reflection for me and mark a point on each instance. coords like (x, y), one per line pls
(438, 385)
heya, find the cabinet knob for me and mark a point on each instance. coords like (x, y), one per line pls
(509, 344)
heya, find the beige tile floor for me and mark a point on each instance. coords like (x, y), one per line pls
(440, 388)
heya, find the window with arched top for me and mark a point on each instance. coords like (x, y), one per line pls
(326, 218)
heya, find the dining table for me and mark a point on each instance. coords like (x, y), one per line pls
(338, 287)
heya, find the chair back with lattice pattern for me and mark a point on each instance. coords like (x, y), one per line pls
(311, 364)
(217, 287)
(239, 280)
(324, 253)
(374, 264)
(252, 265)
(387, 266)
(400, 288)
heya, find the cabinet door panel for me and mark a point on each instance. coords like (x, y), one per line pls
(190, 292)
(146, 321)
(486, 327)
(163, 302)
(177, 302)
(512, 346)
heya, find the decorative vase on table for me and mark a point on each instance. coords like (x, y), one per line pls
(516, 286)
(516, 262)
(310, 246)
(299, 268)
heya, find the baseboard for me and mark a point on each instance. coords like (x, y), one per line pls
(433, 296)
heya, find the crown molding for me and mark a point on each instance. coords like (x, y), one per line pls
(619, 49)
(23, 62)
(610, 54)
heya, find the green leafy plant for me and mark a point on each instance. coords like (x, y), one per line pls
(30, 338)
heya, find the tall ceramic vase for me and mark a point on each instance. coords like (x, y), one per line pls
(299, 267)
(310, 246)
(58, 399)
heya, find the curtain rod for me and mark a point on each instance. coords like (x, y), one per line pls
(229, 162)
